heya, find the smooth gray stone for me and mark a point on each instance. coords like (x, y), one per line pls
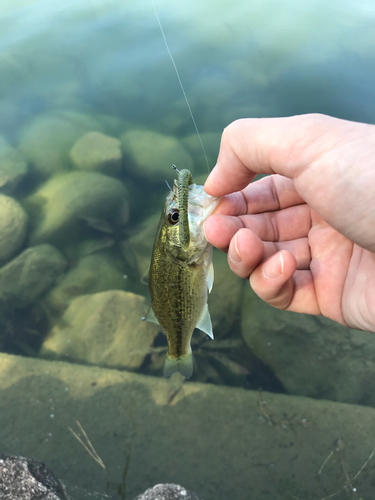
(97, 152)
(13, 227)
(149, 155)
(30, 274)
(311, 355)
(13, 167)
(63, 205)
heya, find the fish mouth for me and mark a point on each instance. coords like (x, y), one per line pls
(188, 206)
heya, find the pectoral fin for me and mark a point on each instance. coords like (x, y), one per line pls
(150, 316)
(210, 277)
(205, 323)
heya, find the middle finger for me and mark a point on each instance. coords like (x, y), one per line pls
(284, 225)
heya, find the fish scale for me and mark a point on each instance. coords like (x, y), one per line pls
(176, 303)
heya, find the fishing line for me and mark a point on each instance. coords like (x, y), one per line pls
(180, 82)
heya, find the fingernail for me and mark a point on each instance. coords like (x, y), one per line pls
(273, 267)
(209, 177)
(234, 254)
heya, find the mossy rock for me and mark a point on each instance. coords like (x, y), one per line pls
(311, 355)
(59, 208)
(46, 141)
(13, 167)
(24, 279)
(103, 329)
(92, 274)
(97, 152)
(13, 226)
(150, 155)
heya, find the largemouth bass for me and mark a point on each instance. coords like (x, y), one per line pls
(181, 272)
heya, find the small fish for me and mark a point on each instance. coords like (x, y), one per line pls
(181, 272)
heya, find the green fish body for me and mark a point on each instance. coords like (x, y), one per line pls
(181, 272)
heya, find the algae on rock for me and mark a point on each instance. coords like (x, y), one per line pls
(60, 205)
(225, 298)
(104, 329)
(91, 274)
(31, 273)
(145, 422)
(13, 167)
(149, 155)
(311, 355)
(46, 141)
(137, 248)
(13, 226)
(97, 152)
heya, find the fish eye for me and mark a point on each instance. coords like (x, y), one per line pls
(173, 217)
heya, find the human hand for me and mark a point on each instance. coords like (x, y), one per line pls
(305, 235)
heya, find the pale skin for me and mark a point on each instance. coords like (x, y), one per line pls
(305, 235)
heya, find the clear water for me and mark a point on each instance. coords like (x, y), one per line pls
(102, 65)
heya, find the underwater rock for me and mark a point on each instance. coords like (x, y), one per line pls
(99, 224)
(30, 274)
(92, 274)
(27, 479)
(58, 208)
(150, 155)
(13, 167)
(225, 300)
(167, 492)
(103, 329)
(91, 246)
(211, 142)
(97, 152)
(46, 141)
(263, 445)
(11, 115)
(229, 371)
(13, 226)
(311, 355)
(137, 248)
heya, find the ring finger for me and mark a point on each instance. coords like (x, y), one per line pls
(247, 250)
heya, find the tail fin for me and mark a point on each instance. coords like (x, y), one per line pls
(183, 364)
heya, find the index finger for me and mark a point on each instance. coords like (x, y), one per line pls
(265, 146)
(268, 194)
